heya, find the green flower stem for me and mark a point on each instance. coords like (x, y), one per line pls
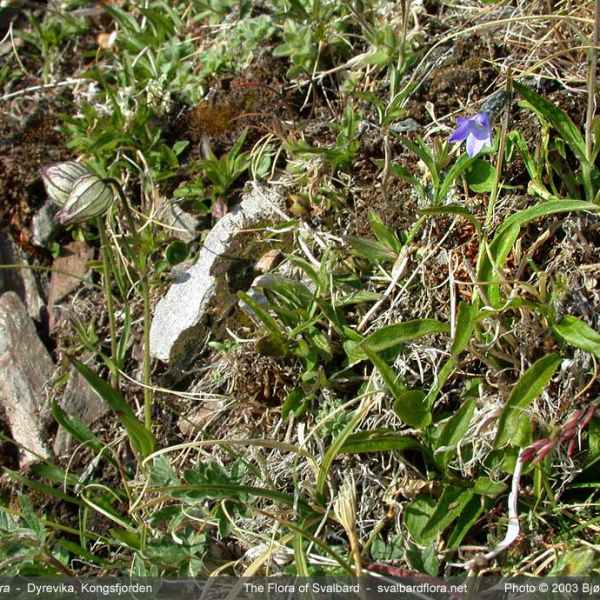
(105, 249)
(147, 358)
(140, 260)
(500, 160)
(586, 169)
(592, 79)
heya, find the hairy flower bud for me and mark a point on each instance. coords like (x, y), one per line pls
(59, 180)
(89, 198)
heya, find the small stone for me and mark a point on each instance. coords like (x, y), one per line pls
(19, 280)
(25, 370)
(182, 225)
(197, 301)
(73, 260)
(268, 261)
(43, 226)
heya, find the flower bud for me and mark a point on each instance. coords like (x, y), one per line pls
(89, 198)
(59, 180)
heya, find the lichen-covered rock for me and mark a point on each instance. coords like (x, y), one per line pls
(25, 370)
(199, 298)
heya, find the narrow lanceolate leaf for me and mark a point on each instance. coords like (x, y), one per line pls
(453, 431)
(393, 336)
(141, 439)
(453, 209)
(409, 405)
(557, 118)
(379, 440)
(526, 390)
(465, 323)
(577, 333)
(492, 262)
(449, 506)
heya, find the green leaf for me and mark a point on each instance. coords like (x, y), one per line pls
(453, 431)
(480, 176)
(448, 508)
(506, 236)
(392, 336)
(393, 549)
(410, 406)
(577, 333)
(232, 490)
(593, 442)
(424, 153)
(162, 472)
(334, 450)
(557, 118)
(176, 252)
(440, 379)
(574, 563)
(77, 428)
(452, 209)
(81, 552)
(465, 323)
(385, 235)
(459, 167)
(484, 486)
(423, 560)
(416, 516)
(54, 474)
(268, 321)
(468, 517)
(300, 556)
(370, 249)
(517, 139)
(526, 390)
(30, 519)
(379, 440)
(44, 489)
(141, 439)
(295, 403)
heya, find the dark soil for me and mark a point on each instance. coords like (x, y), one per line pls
(25, 147)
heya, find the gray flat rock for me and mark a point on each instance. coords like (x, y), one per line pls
(200, 296)
(25, 370)
(182, 224)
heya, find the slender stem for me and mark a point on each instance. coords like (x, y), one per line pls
(128, 214)
(401, 66)
(105, 249)
(501, 146)
(147, 358)
(587, 164)
(592, 75)
(140, 260)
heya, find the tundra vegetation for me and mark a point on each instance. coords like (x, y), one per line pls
(414, 371)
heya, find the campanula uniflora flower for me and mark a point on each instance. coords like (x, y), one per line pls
(476, 130)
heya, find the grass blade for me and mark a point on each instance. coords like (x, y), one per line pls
(141, 439)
